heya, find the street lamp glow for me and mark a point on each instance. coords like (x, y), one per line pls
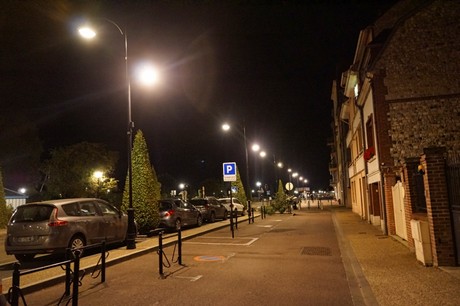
(255, 147)
(294, 174)
(280, 165)
(87, 32)
(262, 154)
(226, 127)
(98, 174)
(148, 75)
(22, 190)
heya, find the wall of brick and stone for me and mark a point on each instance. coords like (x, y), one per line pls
(421, 61)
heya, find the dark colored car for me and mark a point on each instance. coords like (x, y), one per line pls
(177, 213)
(210, 208)
(55, 225)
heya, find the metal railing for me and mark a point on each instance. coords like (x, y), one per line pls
(72, 277)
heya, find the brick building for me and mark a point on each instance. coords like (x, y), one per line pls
(400, 101)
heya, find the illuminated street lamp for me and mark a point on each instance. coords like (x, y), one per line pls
(88, 33)
(226, 128)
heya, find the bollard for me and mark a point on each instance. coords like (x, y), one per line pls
(76, 274)
(160, 253)
(252, 215)
(179, 242)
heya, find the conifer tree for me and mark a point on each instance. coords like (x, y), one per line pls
(146, 190)
(240, 194)
(280, 202)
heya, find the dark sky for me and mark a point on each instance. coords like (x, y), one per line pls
(267, 65)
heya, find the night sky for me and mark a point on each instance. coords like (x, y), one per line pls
(265, 65)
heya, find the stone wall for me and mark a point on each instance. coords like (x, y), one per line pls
(422, 56)
(423, 124)
(421, 62)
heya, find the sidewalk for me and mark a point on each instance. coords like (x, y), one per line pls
(390, 269)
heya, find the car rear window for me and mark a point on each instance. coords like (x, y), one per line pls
(165, 206)
(32, 213)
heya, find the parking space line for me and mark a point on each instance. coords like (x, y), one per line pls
(237, 241)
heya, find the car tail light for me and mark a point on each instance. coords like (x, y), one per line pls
(169, 213)
(55, 221)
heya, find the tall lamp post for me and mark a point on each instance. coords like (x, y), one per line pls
(88, 33)
(226, 127)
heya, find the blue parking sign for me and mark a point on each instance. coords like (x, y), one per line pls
(229, 171)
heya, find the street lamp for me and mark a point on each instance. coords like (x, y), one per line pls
(226, 128)
(88, 33)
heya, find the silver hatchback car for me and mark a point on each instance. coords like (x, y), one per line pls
(55, 225)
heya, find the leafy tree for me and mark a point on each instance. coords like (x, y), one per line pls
(280, 202)
(69, 172)
(146, 190)
(3, 210)
(213, 187)
(240, 194)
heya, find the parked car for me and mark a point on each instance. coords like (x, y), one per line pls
(177, 213)
(55, 225)
(210, 208)
(231, 205)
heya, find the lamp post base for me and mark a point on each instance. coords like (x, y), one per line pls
(131, 236)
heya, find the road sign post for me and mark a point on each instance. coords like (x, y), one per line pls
(230, 176)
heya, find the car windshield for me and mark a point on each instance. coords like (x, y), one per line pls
(225, 201)
(32, 213)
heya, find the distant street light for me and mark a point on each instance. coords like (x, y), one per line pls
(88, 33)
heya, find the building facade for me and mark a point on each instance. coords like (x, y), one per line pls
(402, 105)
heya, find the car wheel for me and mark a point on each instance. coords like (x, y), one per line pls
(178, 225)
(212, 218)
(24, 257)
(199, 221)
(242, 213)
(77, 242)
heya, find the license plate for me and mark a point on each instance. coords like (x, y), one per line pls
(26, 239)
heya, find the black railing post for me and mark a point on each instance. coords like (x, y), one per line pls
(103, 262)
(179, 242)
(76, 274)
(236, 218)
(16, 283)
(160, 253)
(68, 273)
(249, 212)
(252, 215)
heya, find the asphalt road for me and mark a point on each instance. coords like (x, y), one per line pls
(280, 260)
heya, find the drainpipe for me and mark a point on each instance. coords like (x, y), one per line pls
(363, 129)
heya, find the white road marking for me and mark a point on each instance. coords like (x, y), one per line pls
(191, 278)
(251, 241)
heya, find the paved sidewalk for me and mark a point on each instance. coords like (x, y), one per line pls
(391, 270)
